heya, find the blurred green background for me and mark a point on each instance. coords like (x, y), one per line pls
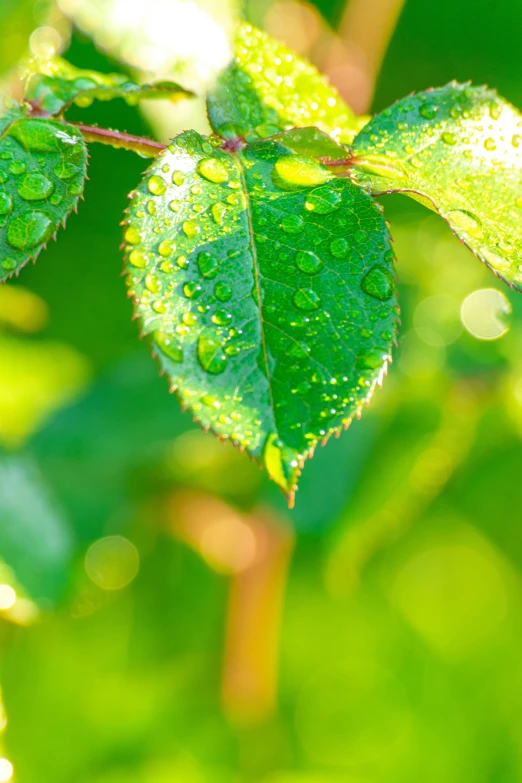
(163, 617)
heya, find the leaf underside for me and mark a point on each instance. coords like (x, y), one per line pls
(42, 172)
(267, 287)
(458, 149)
(54, 84)
(268, 88)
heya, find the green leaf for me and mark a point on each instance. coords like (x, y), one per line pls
(268, 88)
(458, 150)
(42, 172)
(54, 84)
(267, 286)
(35, 540)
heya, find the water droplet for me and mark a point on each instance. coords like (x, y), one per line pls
(222, 318)
(428, 111)
(138, 259)
(132, 235)
(166, 248)
(6, 203)
(301, 171)
(178, 178)
(153, 284)
(17, 167)
(211, 355)
(211, 402)
(292, 224)
(218, 211)
(29, 229)
(308, 262)
(378, 283)
(191, 228)
(156, 185)
(466, 221)
(516, 141)
(281, 462)
(323, 200)
(213, 169)
(371, 360)
(34, 187)
(208, 265)
(360, 236)
(339, 248)
(449, 138)
(65, 170)
(189, 319)
(169, 346)
(518, 203)
(490, 145)
(307, 299)
(182, 262)
(192, 290)
(223, 291)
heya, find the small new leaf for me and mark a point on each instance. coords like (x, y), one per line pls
(53, 84)
(458, 150)
(266, 285)
(268, 88)
(42, 172)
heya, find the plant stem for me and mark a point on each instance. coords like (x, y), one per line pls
(121, 140)
(354, 64)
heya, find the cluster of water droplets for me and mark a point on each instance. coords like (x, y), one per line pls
(459, 149)
(42, 170)
(273, 88)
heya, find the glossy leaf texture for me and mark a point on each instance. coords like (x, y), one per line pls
(53, 84)
(458, 149)
(267, 287)
(42, 172)
(268, 88)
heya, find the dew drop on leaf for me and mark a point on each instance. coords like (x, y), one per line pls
(301, 171)
(211, 355)
(292, 224)
(6, 203)
(192, 290)
(191, 229)
(307, 299)
(339, 248)
(223, 291)
(168, 344)
(208, 265)
(29, 229)
(35, 187)
(323, 200)
(213, 170)
(466, 221)
(222, 318)
(378, 283)
(308, 262)
(156, 185)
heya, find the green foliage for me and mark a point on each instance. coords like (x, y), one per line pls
(267, 286)
(53, 84)
(268, 88)
(458, 148)
(42, 171)
(258, 262)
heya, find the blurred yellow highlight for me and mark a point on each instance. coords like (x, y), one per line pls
(112, 563)
(485, 314)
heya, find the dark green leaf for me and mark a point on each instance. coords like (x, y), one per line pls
(54, 84)
(267, 286)
(42, 173)
(268, 88)
(458, 149)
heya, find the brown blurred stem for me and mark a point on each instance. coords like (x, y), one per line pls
(354, 63)
(250, 667)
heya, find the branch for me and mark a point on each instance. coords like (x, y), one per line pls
(121, 140)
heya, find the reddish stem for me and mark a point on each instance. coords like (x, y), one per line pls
(120, 139)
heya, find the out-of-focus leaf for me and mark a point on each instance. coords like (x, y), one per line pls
(458, 150)
(123, 424)
(36, 378)
(35, 540)
(268, 88)
(267, 287)
(53, 85)
(42, 172)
